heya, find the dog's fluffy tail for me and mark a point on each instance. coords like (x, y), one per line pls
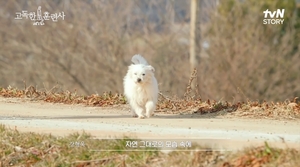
(138, 59)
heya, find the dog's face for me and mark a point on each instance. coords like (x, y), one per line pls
(141, 73)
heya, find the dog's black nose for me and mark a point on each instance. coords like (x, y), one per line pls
(139, 80)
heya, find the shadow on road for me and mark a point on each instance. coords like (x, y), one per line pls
(115, 116)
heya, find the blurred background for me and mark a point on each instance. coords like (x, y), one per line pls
(239, 57)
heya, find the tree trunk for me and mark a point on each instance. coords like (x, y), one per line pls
(194, 38)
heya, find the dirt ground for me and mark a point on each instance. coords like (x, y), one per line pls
(219, 132)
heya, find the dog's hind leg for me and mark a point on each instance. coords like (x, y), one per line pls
(150, 107)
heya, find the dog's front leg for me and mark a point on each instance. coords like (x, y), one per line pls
(138, 110)
(150, 107)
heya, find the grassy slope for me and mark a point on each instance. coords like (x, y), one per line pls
(47, 150)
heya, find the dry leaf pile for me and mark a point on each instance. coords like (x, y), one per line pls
(190, 104)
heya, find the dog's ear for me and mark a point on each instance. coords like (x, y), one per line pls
(136, 59)
(150, 68)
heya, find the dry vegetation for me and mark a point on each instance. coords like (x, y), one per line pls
(30, 149)
(190, 104)
(250, 60)
(90, 50)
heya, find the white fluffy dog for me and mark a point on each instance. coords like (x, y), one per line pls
(140, 87)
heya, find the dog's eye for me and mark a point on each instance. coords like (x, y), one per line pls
(134, 73)
(144, 74)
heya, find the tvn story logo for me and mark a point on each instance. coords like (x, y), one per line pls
(275, 17)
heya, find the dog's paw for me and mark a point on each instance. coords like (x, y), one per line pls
(149, 115)
(134, 115)
(141, 117)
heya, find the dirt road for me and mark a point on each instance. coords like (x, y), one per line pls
(217, 131)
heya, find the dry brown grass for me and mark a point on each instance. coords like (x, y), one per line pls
(31, 149)
(263, 156)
